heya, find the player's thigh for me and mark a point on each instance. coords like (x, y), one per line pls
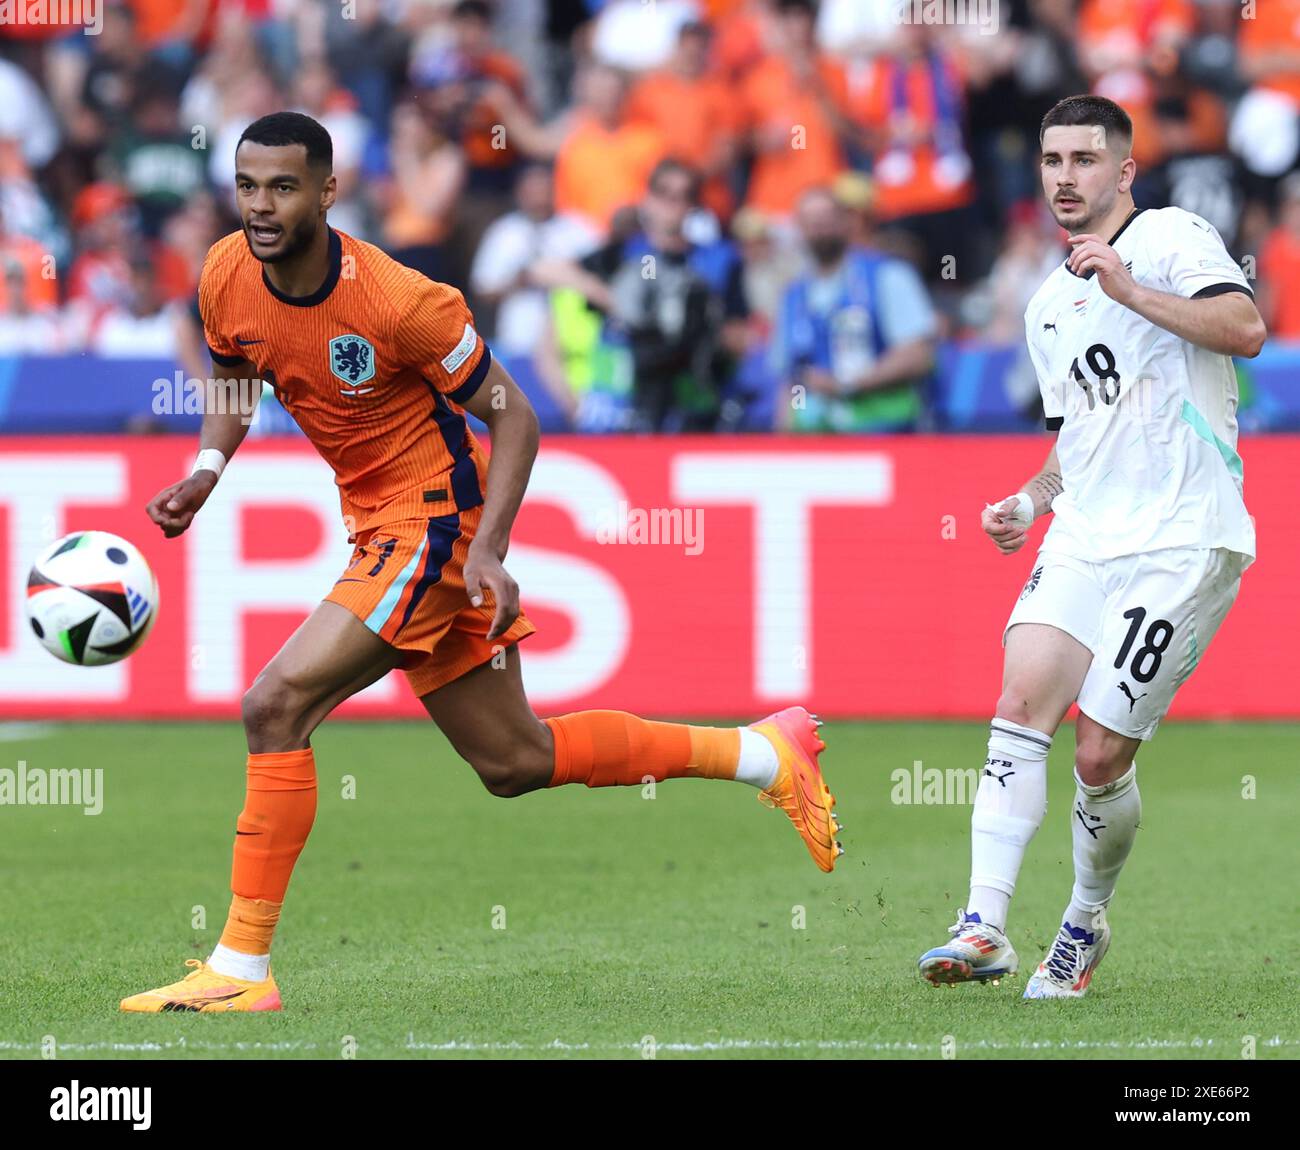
(331, 656)
(1042, 671)
(488, 720)
(1049, 641)
(1163, 608)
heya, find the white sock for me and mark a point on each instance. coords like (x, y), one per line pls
(235, 964)
(758, 762)
(1105, 822)
(1009, 809)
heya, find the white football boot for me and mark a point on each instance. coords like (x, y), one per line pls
(1067, 968)
(978, 952)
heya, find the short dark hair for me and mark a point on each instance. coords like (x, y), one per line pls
(284, 129)
(473, 10)
(670, 165)
(1093, 111)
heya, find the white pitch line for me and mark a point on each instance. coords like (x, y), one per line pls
(733, 1044)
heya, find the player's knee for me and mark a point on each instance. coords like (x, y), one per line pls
(509, 775)
(505, 779)
(1013, 705)
(273, 711)
(1097, 762)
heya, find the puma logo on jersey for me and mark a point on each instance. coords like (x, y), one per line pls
(1000, 778)
(1050, 327)
(1123, 686)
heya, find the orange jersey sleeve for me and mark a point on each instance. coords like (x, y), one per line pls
(436, 337)
(214, 299)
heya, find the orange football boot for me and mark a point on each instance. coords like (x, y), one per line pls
(203, 989)
(799, 789)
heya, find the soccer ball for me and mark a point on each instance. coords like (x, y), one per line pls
(91, 598)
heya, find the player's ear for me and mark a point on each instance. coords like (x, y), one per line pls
(1127, 173)
(329, 192)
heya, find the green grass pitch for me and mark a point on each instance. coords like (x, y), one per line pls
(692, 924)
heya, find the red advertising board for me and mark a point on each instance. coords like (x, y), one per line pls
(673, 577)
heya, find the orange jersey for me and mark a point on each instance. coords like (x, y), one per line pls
(373, 367)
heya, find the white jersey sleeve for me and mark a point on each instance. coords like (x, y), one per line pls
(1051, 390)
(1189, 255)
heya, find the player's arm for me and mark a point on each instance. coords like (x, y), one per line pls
(228, 411)
(515, 432)
(1007, 523)
(910, 328)
(1220, 318)
(1229, 324)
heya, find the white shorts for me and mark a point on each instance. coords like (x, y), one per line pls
(1146, 618)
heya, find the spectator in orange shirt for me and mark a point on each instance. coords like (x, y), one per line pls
(1264, 130)
(419, 192)
(1270, 47)
(696, 109)
(29, 283)
(173, 30)
(743, 31)
(462, 76)
(107, 239)
(1279, 266)
(1178, 140)
(1180, 119)
(603, 160)
(793, 105)
(912, 107)
(1117, 37)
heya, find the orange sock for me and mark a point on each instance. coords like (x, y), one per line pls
(279, 809)
(250, 925)
(613, 749)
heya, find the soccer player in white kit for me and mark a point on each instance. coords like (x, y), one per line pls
(1131, 338)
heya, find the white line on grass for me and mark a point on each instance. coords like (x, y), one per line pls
(738, 1044)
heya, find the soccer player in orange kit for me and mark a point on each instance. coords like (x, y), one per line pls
(377, 364)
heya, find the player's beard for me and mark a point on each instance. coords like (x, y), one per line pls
(1086, 223)
(296, 241)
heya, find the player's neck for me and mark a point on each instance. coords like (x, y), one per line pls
(303, 274)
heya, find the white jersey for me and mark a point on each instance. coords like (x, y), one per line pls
(1147, 421)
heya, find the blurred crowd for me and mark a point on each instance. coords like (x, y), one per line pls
(674, 215)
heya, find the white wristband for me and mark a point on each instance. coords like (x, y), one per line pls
(1025, 511)
(210, 459)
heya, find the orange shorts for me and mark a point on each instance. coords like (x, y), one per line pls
(406, 583)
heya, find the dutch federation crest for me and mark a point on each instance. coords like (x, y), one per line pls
(352, 359)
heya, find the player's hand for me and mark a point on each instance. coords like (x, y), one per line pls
(483, 572)
(174, 507)
(1092, 253)
(999, 524)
